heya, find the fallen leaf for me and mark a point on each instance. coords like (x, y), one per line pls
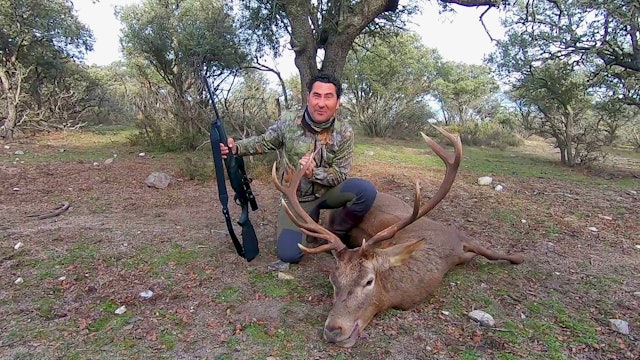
(477, 336)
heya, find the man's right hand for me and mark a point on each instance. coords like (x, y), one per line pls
(224, 149)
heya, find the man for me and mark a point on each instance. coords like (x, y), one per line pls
(296, 137)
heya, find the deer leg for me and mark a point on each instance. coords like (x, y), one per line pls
(476, 248)
(469, 245)
(466, 257)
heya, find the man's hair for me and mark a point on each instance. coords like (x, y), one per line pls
(327, 79)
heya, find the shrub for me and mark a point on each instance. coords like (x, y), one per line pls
(488, 134)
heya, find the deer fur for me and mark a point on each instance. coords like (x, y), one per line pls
(405, 261)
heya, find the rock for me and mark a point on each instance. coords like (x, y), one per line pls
(158, 180)
(284, 276)
(485, 180)
(18, 245)
(605, 217)
(19, 281)
(482, 317)
(7, 147)
(147, 294)
(593, 229)
(121, 310)
(620, 326)
(142, 154)
(18, 152)
(108, 161)
(499, 187)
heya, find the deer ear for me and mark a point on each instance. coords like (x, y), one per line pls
(398, 254)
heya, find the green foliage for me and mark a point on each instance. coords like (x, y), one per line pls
(576, 63)
(38, 40)
(559, 93)
(463, 91)
(250, 107)
(387, 83)
(111, 93)
(170, 46)
(487, 133)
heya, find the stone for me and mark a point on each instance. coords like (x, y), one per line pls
(158, 180)
(485, 180)
(482, 317)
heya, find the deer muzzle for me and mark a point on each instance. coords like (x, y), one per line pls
(340, 335)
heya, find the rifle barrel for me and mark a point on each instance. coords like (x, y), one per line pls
(213, 100)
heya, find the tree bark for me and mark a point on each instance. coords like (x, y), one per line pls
(569, 130)
(336, 34)
(11, 89)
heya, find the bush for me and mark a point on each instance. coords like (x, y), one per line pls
(488, 134)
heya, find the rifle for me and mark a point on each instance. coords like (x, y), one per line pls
(240, 184)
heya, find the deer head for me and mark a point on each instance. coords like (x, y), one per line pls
(361, 280)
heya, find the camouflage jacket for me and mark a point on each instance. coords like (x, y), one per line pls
(291, 141)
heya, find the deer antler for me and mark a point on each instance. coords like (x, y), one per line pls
(303, 220)
(451, 161)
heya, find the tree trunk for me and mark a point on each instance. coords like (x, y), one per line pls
(569, 130)
(336, 35)
(10, 123)
(12, 95)
(563, 154)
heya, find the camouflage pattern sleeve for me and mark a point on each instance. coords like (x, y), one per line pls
(270, 141)
(338, 162)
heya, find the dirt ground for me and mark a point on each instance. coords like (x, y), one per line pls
(121, 237)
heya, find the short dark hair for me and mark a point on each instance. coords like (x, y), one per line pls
(327, 79)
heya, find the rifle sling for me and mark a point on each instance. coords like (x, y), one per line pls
(222, 186)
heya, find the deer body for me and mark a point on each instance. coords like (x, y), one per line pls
(400, 259)
(439, 252)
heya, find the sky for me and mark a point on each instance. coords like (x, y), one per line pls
(458, 37)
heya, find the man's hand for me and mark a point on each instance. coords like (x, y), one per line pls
(225, 150)
(303, 161)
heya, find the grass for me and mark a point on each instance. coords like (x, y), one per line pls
(287, 344)
(270, 285)
(514, 162)
(539, 315)
(228, 295)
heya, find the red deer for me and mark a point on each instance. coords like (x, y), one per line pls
(401, 259)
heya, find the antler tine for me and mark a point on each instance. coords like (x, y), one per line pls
(452, 162)
(300, 217)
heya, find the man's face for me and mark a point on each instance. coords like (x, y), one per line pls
(322, 101)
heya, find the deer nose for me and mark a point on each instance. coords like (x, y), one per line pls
(332, 332)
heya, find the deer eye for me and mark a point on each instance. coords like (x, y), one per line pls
(369, 283)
